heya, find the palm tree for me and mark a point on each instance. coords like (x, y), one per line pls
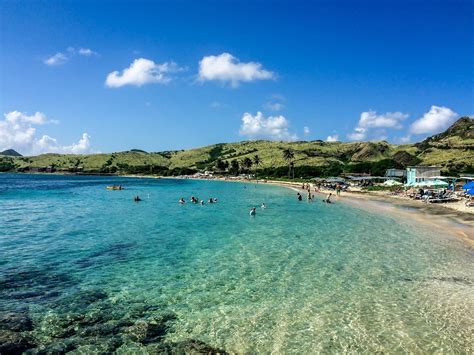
(234, 167)
(247, 163)
(220, 165)
(256, 162)
(288, 155)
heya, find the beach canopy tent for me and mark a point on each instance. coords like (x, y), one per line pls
(368, 178)
(470, 192)
(392, 183)
(468, 186)
(428, 183)
(331, 180)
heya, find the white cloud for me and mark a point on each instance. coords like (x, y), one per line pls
(226, 68)
(358, 134)
(57, 59)
(61, 58)
(18, 131)
(371, 120)
(435, 120)
(140, 72)
(17, 118)
(87, 52)
(333, 138)
(272, 127)
(306, 131)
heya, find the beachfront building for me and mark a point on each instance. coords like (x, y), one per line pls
(422, 173)
(395, 173)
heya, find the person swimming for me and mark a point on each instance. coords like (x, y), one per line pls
(263, 205)
(253, 211)
(181, 201)
(328, 198)
(202, 203)
(300, 198)
(137, 199)
(211, 200)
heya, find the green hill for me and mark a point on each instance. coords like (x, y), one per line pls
(452, 149)
(11, 153)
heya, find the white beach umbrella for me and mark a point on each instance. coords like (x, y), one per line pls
(429, 183)
(392, 183)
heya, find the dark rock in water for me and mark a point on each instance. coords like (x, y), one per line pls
(90, 296)
(33, 286)
(16, 322)
(151, 329)
(114, 343)
(189, 346)
(26, 294)
(61, 347)
(14, 343)
(154, 332)
(157, 328)
(116, 252)
(102, 329)
(80, 300)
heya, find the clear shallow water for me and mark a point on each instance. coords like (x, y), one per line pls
(94, 271)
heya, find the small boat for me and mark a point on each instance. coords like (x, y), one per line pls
(114, 187)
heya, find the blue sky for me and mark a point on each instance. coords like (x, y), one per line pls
(220, 71)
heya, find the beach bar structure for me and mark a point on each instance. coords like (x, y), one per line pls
(395, 173)
(422, 173)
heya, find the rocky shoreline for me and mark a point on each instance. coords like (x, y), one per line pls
(83, 320)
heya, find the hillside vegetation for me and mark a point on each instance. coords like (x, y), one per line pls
(452, 149)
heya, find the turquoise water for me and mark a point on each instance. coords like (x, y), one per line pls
(84, 269)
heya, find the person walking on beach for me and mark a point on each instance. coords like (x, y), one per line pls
(338, 190)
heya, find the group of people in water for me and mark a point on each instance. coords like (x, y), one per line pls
(196, 201)
(310, 196)
(253, 211)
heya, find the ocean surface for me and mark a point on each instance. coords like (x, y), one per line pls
(84, 269)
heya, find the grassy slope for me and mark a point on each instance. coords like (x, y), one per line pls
(452, 149)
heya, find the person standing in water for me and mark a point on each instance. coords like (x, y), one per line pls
(328, 199)
(253, 211)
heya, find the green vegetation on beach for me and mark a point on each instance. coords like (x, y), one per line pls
(452, 149)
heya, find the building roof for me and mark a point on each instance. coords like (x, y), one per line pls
(425, 166)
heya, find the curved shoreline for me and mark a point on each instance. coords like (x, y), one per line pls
(457, 224)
